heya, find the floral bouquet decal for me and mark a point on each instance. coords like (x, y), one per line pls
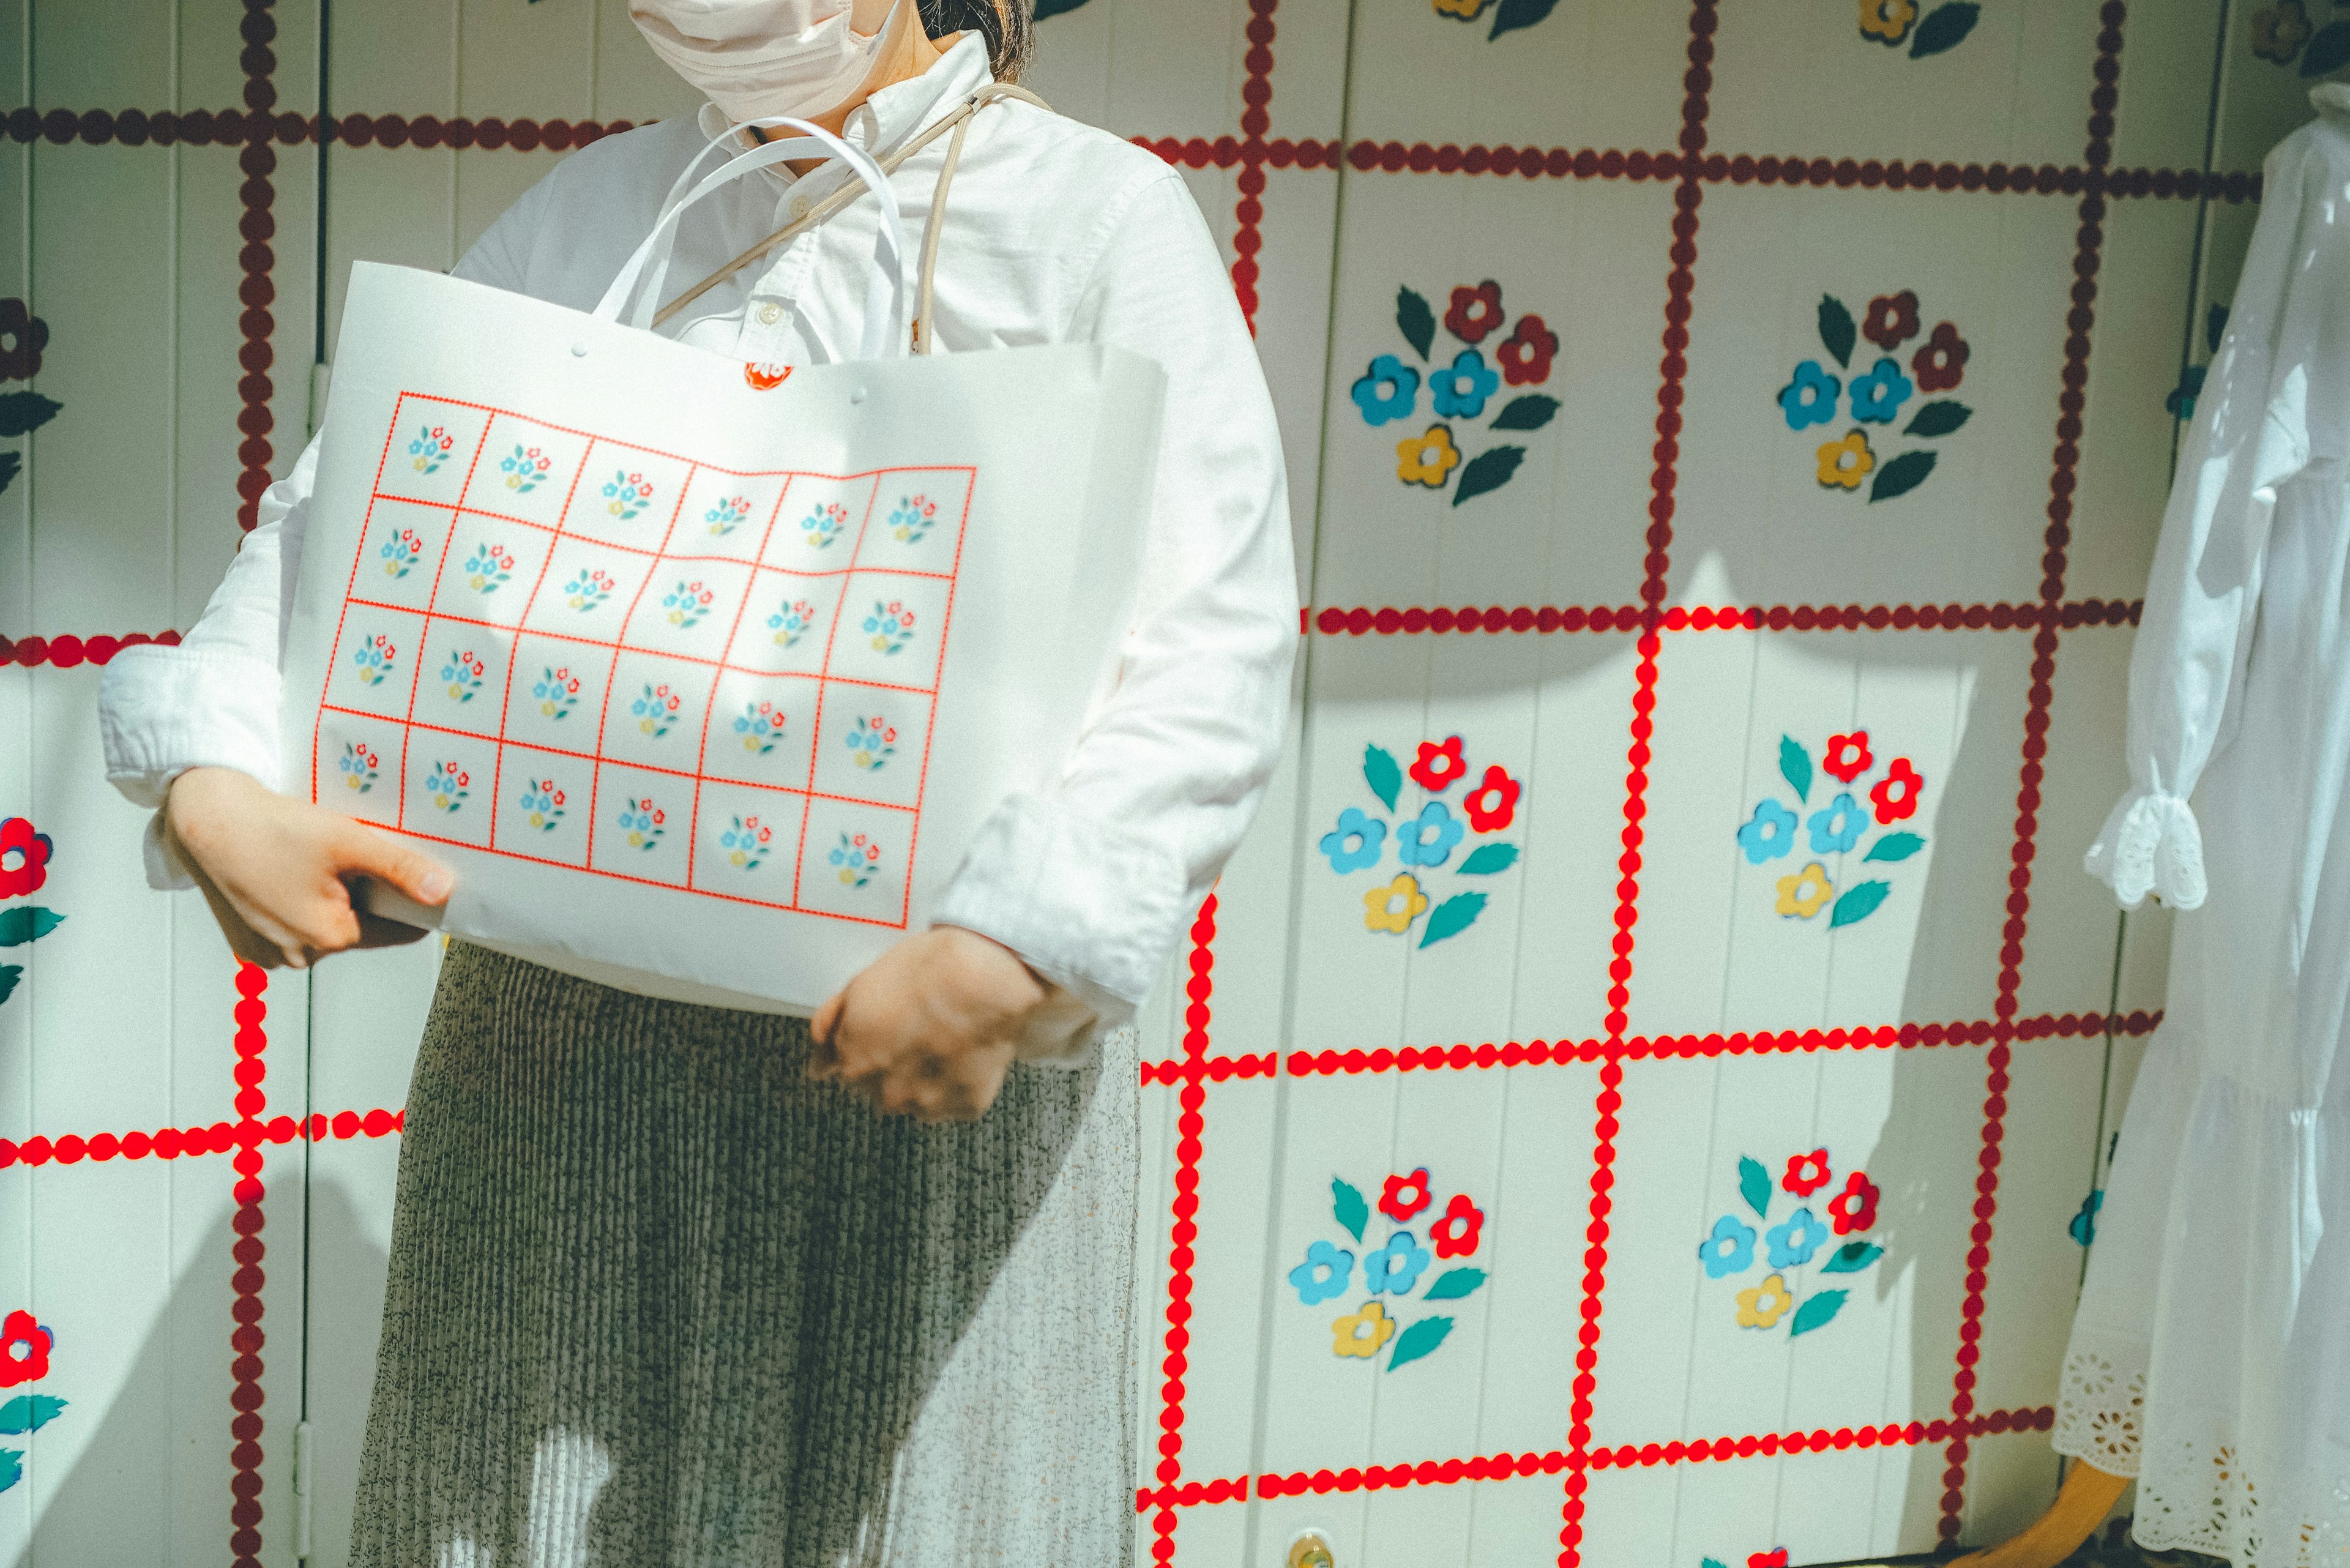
(25, 1346)
(1509, 16)
(430, 448)
(448, 786)
(464, 674)
(1838, 826)
(526, 468)
(824, 525)
(644, 822)
(488, 569)
(1460, 393)
(1426, 840)
(792, 622)
(1790, 1247)
(360, 767)
(1396, 1269)
(746, 843)
(656, 711)
(871, 742)
(912, 521)
(857, 859)
(29, 852)
(1894, 23)
(588, 590)
(688, 605)
(542, 805)
(1877, 395)
(891, 626)
(375, 658)
(760, 726)
(728, 514)
(627, 494)
(399, 552)
(557, 692)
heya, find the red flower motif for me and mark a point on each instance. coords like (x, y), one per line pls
(1456, 1234)
(1848, 756)
(1526, 358)
(1475, 312)
(1941, 363)
(1892, 319)
(17, 837)
(1494, 802)
(33, 1363)
(1767, 1559)
(1806, 1173)
(25, 335)
(1405, 1196)
(1897, 793)
(1853, 1209)
(1440, 767)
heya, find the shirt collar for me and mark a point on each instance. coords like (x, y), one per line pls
(891, 117)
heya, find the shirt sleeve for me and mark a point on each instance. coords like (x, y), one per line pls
(1094, 879)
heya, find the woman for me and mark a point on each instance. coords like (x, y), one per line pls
(672, 1284)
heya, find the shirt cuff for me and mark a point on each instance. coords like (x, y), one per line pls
(163, 711)
(2151, 843)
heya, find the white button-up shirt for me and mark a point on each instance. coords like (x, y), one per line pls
(1055, 232)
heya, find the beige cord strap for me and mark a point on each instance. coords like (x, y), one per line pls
(958, 122)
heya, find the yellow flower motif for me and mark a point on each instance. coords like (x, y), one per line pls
(1802, 894)
(1765, 1304)
(1465, 9)
(1427, 459)
(1846, 463)
(1394, 906)
(1364, 1334)
(2280, 30)
(1887, 19)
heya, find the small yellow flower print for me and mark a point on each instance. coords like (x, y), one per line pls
(1465, 9)
(1765, 1304)
(1427, 459)
(1394, 906)
(1802, 894)
(1364, 1334)
(1888, 19)
(1845, 463)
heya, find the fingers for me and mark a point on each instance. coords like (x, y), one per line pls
(824, 1058)
(357, 850)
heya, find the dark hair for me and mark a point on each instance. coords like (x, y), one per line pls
(1009, 27)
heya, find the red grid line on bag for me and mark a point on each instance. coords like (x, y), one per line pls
(67, 651)
(1198, 991)
(249, 1252)
(1362, 621)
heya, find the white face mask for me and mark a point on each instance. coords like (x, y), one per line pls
(754, 58)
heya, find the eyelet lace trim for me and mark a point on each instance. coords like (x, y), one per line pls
(2103, 1399)
(2151, 844)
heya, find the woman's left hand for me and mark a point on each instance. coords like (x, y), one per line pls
(931, 1027)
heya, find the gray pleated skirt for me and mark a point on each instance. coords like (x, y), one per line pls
(656, 1299)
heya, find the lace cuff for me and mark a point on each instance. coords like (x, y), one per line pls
(2150, 843)
(2100, 1405)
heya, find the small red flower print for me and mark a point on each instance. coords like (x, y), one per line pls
(1806, 1173)
(1897, 793)
(1853, 1209)
(30, 852)
(1767, 1559)
(1941, 363)
(32, 1362)
(765, 378)
(1494, 802)
(1405, 1196)
(1526, 358)
(1455, 1235)
(1892, 319)
(1439, 767)
(1475, 312)
(23, 336)
(1848, 756)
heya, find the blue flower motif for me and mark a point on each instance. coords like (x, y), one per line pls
(1388, 390)
(1795, 1242)
(1396, 1267)
(1323, 1274)
(1428, 839)
(1837, 828)
(1769, 834)
(1461, 391)
(1729, 1251)
(1878, 395)
(1356, 842)
(1811, 398)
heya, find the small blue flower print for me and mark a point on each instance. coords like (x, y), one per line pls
(1837, 828)
(1769, 834)
(1729, 1251)
(1323, 1274)
(1428, 839)
(1793, 1242)
(1395, 1268)
(1461, 391)
(1388, 390)
(1878, 395)
(1811, 398)
(1356, 843)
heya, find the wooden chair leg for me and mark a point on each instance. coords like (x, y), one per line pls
(2082, 1503)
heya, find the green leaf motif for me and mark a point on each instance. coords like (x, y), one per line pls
(12, 1467)
(1418, 1339)
(1795, 767)
(1944, 29)
(1488, 471)
(1938, 419)
(1754, 1186)
(1835, 329)
(10, 974)
(1346, 1203)
(1451, 918)
(1902, 476)
(1451, 1285)
(26, 922)
(1852, 1257)
(1380, 771)
(24, 412)
(1488, 858)
(1858, 903)
(1056, 7)
(28, 1413)
(9, 463)
(1516, 14)
(1415, 320)
(1530, 412)
(2327, 51)
(1713, 1562)
(1818, 1312)
(1895, 847)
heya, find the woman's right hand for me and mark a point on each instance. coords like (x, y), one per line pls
(277, 871)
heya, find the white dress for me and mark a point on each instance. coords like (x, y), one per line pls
(2211, 1356)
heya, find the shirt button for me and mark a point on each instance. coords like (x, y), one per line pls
(770, 313)
(799, 208)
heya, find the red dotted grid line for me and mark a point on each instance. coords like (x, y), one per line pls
(68, 650)
(1199, 989)
(246, 1338)
(1192, 1494)
(192, 1142)
(1256, 92)
(229, 127)
(1361, 620)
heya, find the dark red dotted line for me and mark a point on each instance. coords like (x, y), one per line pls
(1256, 92)
(69, 650)
(1361, 620)
(173, 1143)
(1198, 989)
(247, 1339)
(1192, 1494)
(231, 127)
(1234, 152)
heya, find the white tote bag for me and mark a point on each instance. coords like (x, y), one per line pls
(699, 679)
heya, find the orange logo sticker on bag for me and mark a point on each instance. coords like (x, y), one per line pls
(766, 378)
